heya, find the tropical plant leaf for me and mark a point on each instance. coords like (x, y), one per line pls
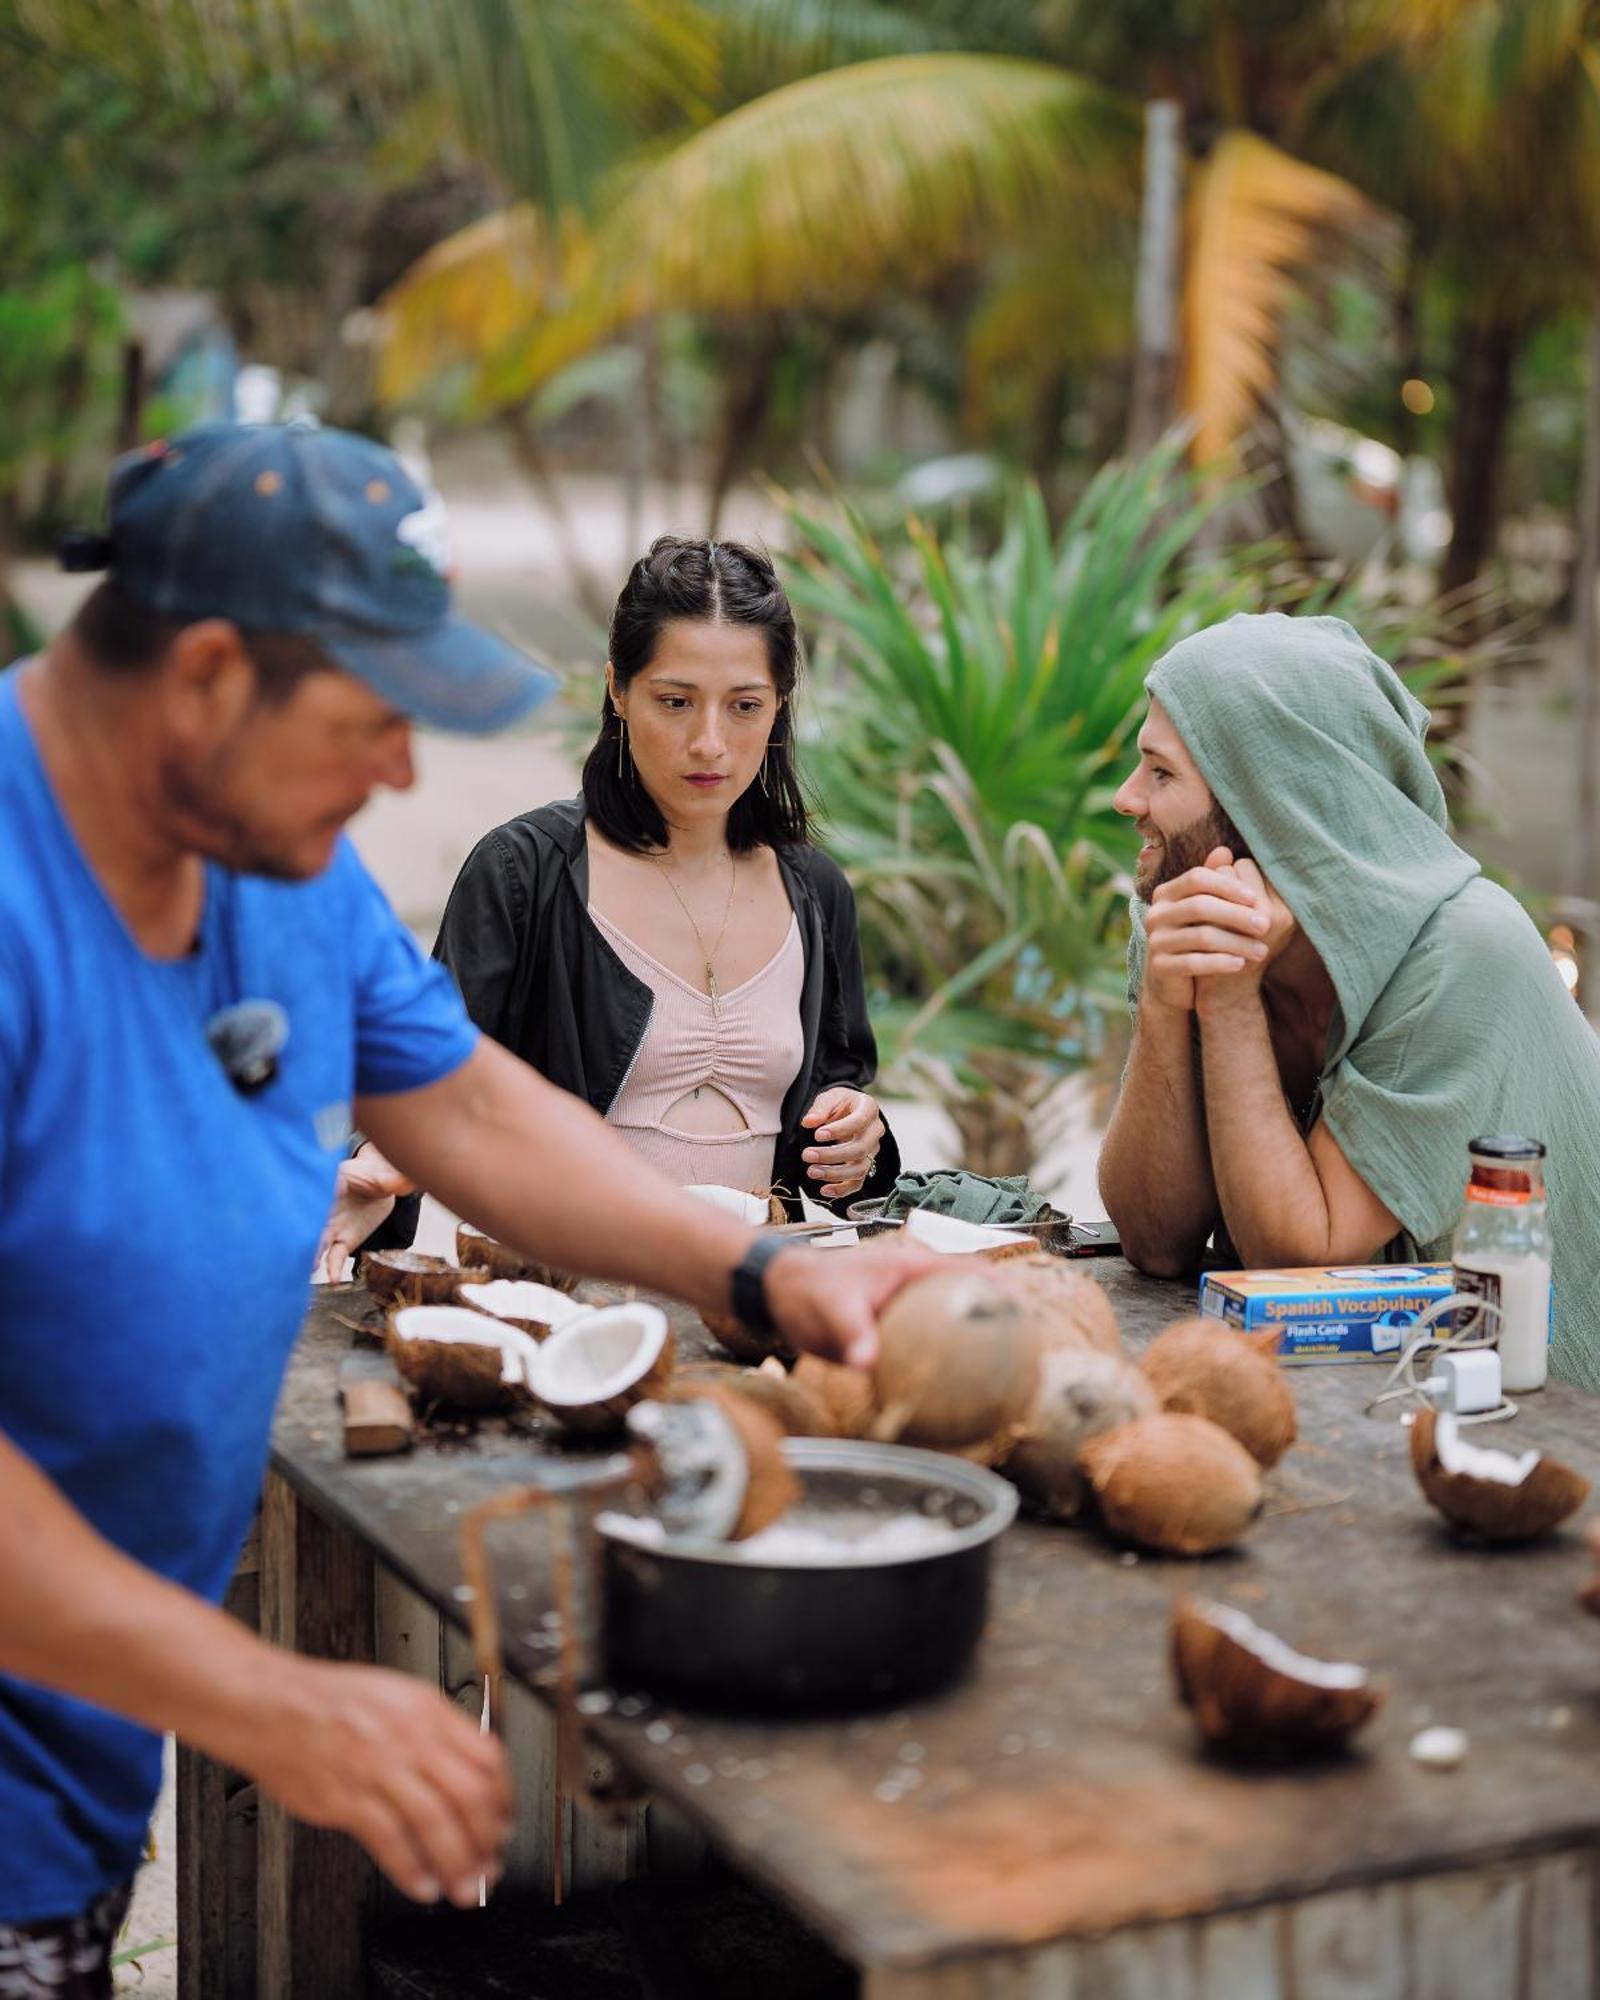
(1256, 219)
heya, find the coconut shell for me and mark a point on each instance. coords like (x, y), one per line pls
(1203, 1369)
(1488, 1508)
(411, 1278)
(1064, 1305)
(957, 1364)
(844, 1395)
(781, 1397)
(739, 1340)
(473, 1293)
(458, 1374)
(771, 1486)
(1175, 1483)
(603, 1415)
(474, 1249)
(1081, 1393)
(1252, 1695)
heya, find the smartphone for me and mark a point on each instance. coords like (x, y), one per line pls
(1095, 1239)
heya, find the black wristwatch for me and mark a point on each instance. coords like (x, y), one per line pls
(749, 1288)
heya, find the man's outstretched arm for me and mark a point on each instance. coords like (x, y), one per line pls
(1155, 1168)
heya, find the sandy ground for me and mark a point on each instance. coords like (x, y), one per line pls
(511, 574)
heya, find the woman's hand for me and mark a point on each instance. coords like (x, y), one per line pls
(366, 1193)
(849, 1129)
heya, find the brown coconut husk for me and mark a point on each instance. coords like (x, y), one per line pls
(1175, 1483)
(499, 1296)
(499, 1260)
(741, 1342)
(957, 1365)
(412, 1278)
(845, 1395)
(771, 1486)
(1489, 1508)
(596, 1416)
(783, 1399)
(1064, 1306)
(1255, 1696)
(457, 1374)
(1204, 1369)
(1081, 1394)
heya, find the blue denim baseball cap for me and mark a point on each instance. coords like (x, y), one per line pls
(292, 528)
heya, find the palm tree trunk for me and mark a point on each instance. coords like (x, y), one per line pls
(1485, 364)
(744, 409)
(530, 455)
(1155, 363)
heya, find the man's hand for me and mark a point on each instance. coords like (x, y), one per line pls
(828, 1301)
(1275, 927)
(366, 1193)
(849, 1130)
(1206, 924)
(388, 1760)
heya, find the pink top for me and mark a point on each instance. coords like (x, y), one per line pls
(751, 1051)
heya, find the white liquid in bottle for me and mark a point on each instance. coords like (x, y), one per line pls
(1520, 1287)
(1502, 1253)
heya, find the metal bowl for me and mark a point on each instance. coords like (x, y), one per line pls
(722, 1623)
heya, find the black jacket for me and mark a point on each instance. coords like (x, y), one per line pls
(538, 976)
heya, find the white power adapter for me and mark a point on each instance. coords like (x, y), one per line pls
(1467, 1384)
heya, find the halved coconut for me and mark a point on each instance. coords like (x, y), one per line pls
(740, 1341)
(1179, 1484)
(411, 1278)
(1205, 1369)
(755, 1209)
(1253, 1693)
(1080, 1394)
(950, 1234)
(475, 1252)
(957, 1367)
(537, 1309)
(771, 1486)
(463, 1360)
(1063, 1305)
(1488, 1493)
(590, 1371)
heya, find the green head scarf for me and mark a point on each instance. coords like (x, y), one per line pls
(1314, 748)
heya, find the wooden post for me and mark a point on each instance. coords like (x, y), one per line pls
(1155, 362)
(315, 1889)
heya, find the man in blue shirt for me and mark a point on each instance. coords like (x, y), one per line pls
(200, 988)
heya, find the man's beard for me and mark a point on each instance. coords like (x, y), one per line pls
(1188, 848)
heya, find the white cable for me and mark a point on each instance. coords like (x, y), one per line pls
(1402, 1378)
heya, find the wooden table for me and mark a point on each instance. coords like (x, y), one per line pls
(1049, 1827)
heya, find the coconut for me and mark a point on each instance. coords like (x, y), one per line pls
(771, 1388)
(756, 1209)
(1176, 1483)
(537, 1309)
(844, 1395)
(475, 1251)
(592, 1369)
(771, 1486)
(1252, 1693)
(956, 1367)
(740, 1341)
(1491, 1494)
(1204, 1369)
(1064, 1306)
(1080, 1394)
(463, 1360)
(410, 1278)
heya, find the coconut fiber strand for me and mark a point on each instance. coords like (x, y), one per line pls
(1451, 1019)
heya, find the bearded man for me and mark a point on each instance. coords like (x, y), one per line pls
(1330, 1000)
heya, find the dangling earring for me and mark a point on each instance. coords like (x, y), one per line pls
(765, 755)
(622, 745)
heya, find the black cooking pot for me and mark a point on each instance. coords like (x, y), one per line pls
(726, 1624)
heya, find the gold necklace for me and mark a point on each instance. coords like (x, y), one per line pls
(712, 987)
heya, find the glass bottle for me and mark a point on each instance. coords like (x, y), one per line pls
(1501, 1253)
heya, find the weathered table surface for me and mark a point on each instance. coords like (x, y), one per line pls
(1058, 1792)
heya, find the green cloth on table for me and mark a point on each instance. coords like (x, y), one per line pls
(1451, 1020)
(968, 1197)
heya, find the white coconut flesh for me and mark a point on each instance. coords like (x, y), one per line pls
(949, 1233)
(733, 1201)
(457, 1326)
(513, 1298)
(1455, 1455)
(1272, 1652)
(597, 1355)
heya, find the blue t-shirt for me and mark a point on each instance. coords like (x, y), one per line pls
(157, 1231)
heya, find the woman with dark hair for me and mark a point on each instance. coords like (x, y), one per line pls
(670, 945)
